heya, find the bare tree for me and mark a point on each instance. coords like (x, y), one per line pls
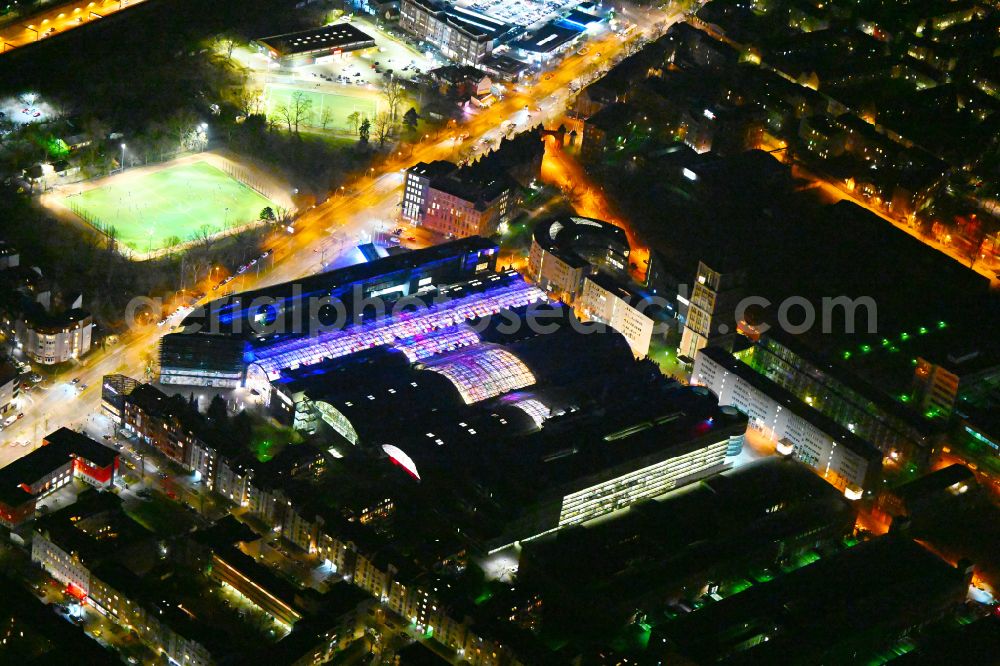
(250, 101)
(392, 93)
(325, 117)
(301, 109)
(203, 235)
(355, 120)
(383, 127)
(285, 114)
(282, 215)
(226, 44)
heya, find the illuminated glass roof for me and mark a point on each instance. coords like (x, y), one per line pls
(483, 372)
(535, 409)
(504, 291)
(424, 345)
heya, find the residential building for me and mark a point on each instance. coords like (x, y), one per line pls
(566, 249)
(475, 199)
(173, 427)
(623, 308)
(845, 460)
(711, 318)
(54, 338)
(10, 389)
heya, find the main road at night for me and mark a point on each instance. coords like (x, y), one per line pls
(320, 234)
(56, 20)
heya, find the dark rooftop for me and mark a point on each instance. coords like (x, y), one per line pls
(340, 35)
(824, 612)
(59, 448)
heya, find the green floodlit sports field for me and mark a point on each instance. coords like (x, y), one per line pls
(152, 211)
(340, 105)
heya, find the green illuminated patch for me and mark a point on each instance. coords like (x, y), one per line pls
(154, 210)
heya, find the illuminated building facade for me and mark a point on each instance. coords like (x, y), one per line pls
(834, 452)
(226, 340)
(458, 303)
(50, 339)
(114, 388)
(463, 36)
(10, 389)
(458, 201)
(838, 394)
(63, 456)
(711, 317)
(567, 249)
(584, 465)
(614, 303)
(173, 427)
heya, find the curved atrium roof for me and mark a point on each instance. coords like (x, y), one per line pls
(561, 235)
(482, 372)
(489, 296)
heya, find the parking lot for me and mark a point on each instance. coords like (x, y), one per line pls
(346, 82)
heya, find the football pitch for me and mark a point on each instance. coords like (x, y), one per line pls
(157, 209)
(339, 106)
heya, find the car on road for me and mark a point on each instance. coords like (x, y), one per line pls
(76, 380)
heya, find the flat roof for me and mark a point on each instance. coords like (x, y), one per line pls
(656, 545)
(330, 37)
(324, 282)
(549, 38)
(473, 23)
(630, 293)
(843, 436)
(574, 451)
(816, 612)
(58, 449)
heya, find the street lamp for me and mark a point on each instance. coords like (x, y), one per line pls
(123, 157)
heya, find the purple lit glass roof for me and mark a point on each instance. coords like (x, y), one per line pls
(509, 291)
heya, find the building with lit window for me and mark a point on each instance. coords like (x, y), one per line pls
(220, 340)
(882, 589)
(447, 308)
(10, 389)
(834, 452)
(307, 46)
(841, 395)
(173, 427)
(580, 465)
(464, 36)
(711, 316)
(63, 456)
(567, 249)
(686, 540)
(458, 202)
(114, 389)
(92, 547)
(623, 308)
(54, 338)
